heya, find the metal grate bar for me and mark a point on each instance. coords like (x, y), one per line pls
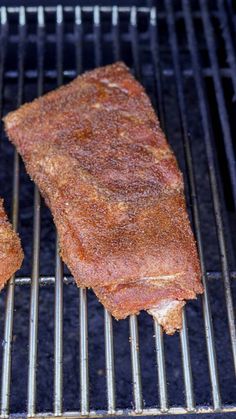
(58, 334)
(84, 376)
(33, 324)
(155, 56)
(231, 58)
(157, 328)
(206, 304)
(223, 116)
(188, 381)
(86, 9)
(111, 402)
(184, 332)
(105, 9)
(167, 72)
(97, 36)
(6, 363)
(134, 41)
(134, 345)
(78, 39)
(161, 369)
(50, 280)
(10, 294)
(152, 411)
(84, 372)
(213, 181)
(109, 350)
(115, 32)
(160, 351)
(134, 335)
(58, 309)
(183, 335)
(3, 38)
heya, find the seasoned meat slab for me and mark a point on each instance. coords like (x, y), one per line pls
(11, 254)
(98, 155)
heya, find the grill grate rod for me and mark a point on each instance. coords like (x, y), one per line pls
(158, 333)
(58, 334)
(108, 324)
(84, 371)
(187, 369)
(161, 369)
(78, 32)
(134, 334)
(50, 280)
(223, 116)
(115, 33)
(104, 9)
(33, 323)
(134, 346)
(83, 319)
(196, 218)
(84, 362)
(231, 58)
(3, 38)
(58, 309)
(109, 352)
(71, 74)
(152, 411)
(97, 36)
(212, 174)
(84, 376)
(184, 333)
(10, 294)
(8, 327)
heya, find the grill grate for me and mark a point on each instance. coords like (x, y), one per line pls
(185, 56)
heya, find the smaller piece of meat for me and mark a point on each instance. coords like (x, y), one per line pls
(11, 254)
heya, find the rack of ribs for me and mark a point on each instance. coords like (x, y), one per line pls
(96, 151)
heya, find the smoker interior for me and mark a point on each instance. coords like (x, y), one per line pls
(184, 55)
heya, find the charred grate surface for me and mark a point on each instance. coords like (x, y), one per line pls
(61, 354)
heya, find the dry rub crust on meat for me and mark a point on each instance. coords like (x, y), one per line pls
(100, 159)
(11, 254)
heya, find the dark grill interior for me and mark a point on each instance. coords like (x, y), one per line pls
(184, 55)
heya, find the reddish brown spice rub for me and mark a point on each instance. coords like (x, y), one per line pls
(100, 159)
(11, 254)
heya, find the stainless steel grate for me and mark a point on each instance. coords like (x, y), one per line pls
(184, 54)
